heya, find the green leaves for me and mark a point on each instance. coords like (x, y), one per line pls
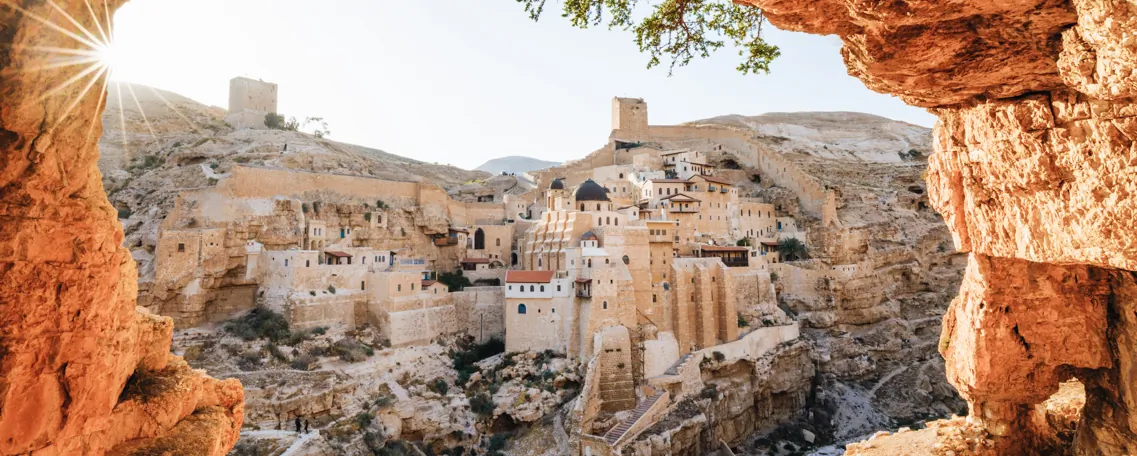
(677, 30)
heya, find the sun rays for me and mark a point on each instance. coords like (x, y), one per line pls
(89, 64)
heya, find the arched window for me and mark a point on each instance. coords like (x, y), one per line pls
(582, 207)
(531, 288)
(499, 242)
(607, 220)
(621, 175)
(590, 262)
(400, 287)
(513, 259)
(479, 239)
(542, 288)
(617, 221)
(363, 286)
(605, 305)
(521, 309)
(598, 207)
(606, 261)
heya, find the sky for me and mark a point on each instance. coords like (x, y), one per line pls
(460, 82)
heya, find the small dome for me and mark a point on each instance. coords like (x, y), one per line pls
(591, 191)
(557, 184)
(588, 236)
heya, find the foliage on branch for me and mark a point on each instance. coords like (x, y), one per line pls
(679, 30)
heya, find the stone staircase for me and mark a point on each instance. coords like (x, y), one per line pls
(615, 434)
(674, 369)
(617, 389)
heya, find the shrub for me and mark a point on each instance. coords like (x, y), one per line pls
(364, 419)
(744, 242)
(275, 352)
(469, 353)
(481, 404)
(125, 213)
(709, 392)
(351, 350)
(331, 289)
(773, 276)
(259, 323)
(403, 230)
(719, 357)
(742, 323)
(305, 207)
(495, 444)
(213, 166)
(439, 386)
(367, 216)
(380, 204)
(303, 362)
(313, 293)
(455, 281)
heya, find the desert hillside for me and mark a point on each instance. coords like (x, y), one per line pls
(157, 143)
(840, 135)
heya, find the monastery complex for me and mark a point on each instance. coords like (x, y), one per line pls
(641, 260)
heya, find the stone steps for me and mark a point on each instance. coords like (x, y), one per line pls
(674, 369)
(615, 434)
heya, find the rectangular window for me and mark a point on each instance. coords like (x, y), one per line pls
(181, 248)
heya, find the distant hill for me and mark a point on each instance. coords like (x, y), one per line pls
(514, 164)
(836, 135)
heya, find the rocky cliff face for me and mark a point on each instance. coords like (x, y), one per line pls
(81, 370)
(1034, 172)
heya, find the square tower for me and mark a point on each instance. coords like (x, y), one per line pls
(249, 101)
(629, 114)
(251, 95)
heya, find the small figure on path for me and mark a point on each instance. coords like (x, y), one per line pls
(306, 427)
(297, 424)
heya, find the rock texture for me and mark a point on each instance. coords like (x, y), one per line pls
(1035, 172)
(81, 370)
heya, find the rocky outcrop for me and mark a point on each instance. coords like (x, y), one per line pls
(81, 370)
(1035, 173)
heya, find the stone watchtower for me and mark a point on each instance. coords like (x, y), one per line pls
(249, 101)
(629, 114)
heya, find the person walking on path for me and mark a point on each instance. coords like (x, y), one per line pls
(297, 424)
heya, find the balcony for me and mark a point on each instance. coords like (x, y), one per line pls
(445, 241)
(683, 210)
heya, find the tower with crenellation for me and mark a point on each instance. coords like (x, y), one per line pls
(629, 114)
(250, 100)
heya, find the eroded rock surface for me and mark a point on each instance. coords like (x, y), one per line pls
(1035, 172)
(81, 370)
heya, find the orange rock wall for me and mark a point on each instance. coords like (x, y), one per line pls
(70, 334)
(1035, 173)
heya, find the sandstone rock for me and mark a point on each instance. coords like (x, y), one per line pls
(1034, 172)
(72, 338)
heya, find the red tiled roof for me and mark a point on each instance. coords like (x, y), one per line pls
(717, 180)
(477, 261)
(771, 243)
(338, 254)
(529, 276)
(676, 196)
(724, 248)
(427, 283)
(583, 280)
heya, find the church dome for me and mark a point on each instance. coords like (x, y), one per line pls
(588, 236)
(557, 184)
(591, 191)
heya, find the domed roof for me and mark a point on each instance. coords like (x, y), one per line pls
(557, 184)
(591, 191)
(588, 236)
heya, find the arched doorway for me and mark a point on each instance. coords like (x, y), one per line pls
(479, 239)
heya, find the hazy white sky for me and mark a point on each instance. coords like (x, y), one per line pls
(460, 81)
